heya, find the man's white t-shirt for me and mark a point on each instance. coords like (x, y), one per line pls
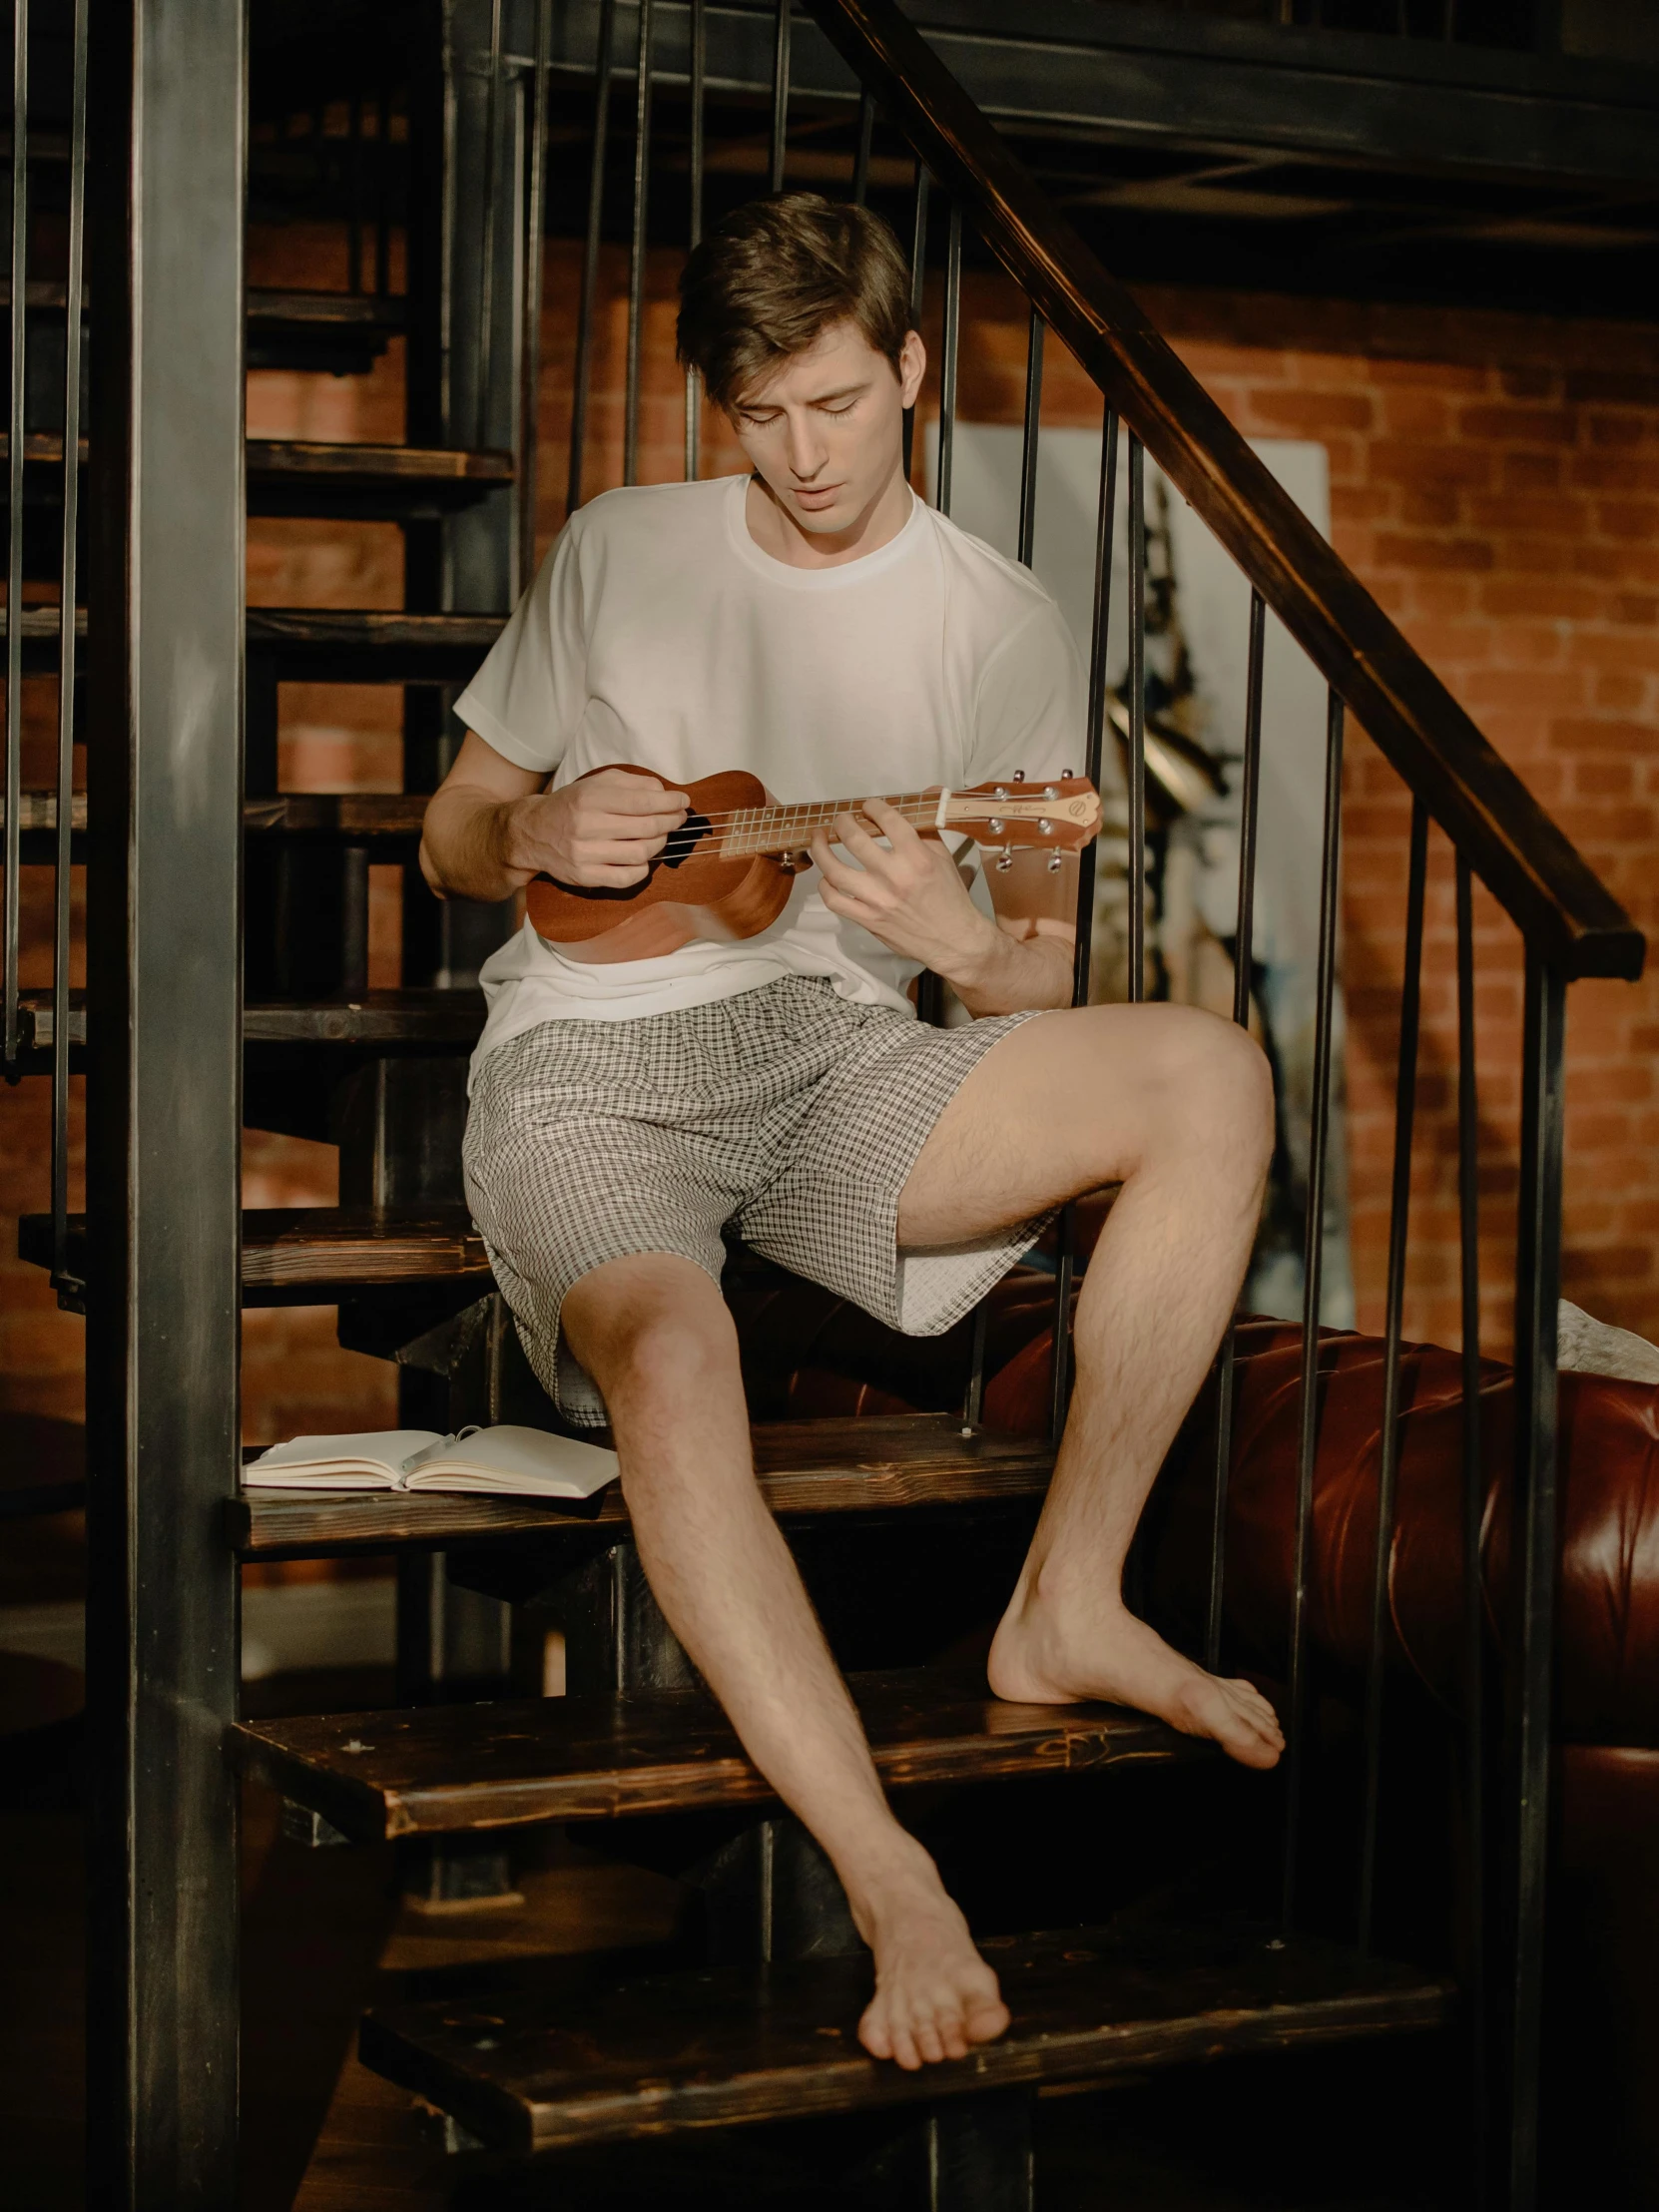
(658, 633)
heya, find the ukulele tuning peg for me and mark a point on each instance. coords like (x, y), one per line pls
(1056, 861)
(1005, 860)
(1019, 776)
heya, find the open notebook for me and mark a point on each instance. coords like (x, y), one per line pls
(515, 1463)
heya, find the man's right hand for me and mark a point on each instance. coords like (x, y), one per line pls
(602, 832)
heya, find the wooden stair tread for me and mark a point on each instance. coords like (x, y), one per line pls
(888, 1463)
(411, 1018)
(320, 644)
(265, 303)
(328, 476)
(433, 1770)
(351, 817)
(325, 311)
(316, 1254)
(346, 645)
(331, 457)
(585, 2058)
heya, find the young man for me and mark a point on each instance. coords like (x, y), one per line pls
(816, 624)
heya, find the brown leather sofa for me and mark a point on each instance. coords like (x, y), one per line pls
(819, 1356)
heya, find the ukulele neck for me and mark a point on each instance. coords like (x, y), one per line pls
(759, 830)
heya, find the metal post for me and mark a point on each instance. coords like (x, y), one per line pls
(1475, 1500)
(699, 70)
(10, 1038)
(637, 251)
(1537, 1291)
(861, 158)
(1243, 964)
(66, 1283)
(535, 224)
(164, 1098)
(948, 353)
(1059, 1373)
(918, 279)
(779, 98)
(1400, 1209)
(590, 254)
(1137, 721)
(1312, 1262)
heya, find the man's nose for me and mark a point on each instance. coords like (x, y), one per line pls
(806, 450)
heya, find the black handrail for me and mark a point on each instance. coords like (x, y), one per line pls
(1567, 914)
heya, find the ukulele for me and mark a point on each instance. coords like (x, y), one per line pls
(728, 870)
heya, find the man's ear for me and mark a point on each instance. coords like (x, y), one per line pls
(913, 367)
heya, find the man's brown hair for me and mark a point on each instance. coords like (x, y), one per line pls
(775, 275)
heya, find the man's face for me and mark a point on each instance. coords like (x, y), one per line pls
(825, 429)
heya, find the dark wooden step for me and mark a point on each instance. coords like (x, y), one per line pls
(344, 817)
(318, 1255)
(401, 1020)
(342, 332)
(391, 818)
(315, 645)
(585, 2058)
(894, 1463)
(367, 483)
(342, 646)
(440, 1769)
(330, 478)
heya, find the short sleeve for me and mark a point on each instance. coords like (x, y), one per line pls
(1030, 705)
(527, 699)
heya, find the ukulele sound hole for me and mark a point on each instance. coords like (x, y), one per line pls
(683, 842)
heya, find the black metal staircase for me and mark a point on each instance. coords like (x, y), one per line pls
(196, 858)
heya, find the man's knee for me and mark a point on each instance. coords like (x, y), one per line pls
(652, 1331)
(1212, 1088)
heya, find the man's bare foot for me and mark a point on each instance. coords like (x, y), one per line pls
(1121, 1661)
(934, 1996)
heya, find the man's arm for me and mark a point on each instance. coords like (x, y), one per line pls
(909, 892)
(491, 825)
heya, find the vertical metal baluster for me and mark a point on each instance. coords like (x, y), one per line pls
(929, 988)
(1400, 1209)
(949, 351)
(1313, 1264)
(974, 1401)
(1137, 721)
(382, 191)
(636, 252)
(918, 275)
(14, 558)
(535, 223)
(1028, 443)
(492, 201)
(1106, 511)
(1243, 961)
(1475, 1502)
(779, 98)
(867, 139)
(354, 182)
(1537, 1294)
(698, 66)
(61, 1278)
(589, 254)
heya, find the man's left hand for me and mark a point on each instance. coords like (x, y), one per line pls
(907, 892)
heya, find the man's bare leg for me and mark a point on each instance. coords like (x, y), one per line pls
(656, 1336)
(1178, 1107)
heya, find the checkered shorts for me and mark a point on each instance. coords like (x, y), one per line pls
(790, 1114)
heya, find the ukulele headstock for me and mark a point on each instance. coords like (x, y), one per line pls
(1061, 813)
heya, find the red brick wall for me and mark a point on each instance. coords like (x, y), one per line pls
(1495, 483)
